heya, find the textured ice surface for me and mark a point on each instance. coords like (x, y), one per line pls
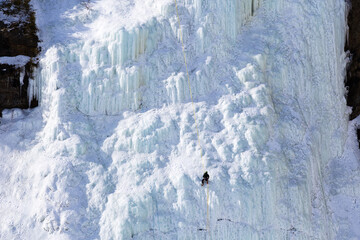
(112, 152)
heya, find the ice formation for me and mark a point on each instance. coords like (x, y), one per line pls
(18, 61)
(112, 152)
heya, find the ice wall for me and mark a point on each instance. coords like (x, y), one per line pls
(123, 67)
(119, 148)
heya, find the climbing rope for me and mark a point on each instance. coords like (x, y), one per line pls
(207, 209)
(196, 125)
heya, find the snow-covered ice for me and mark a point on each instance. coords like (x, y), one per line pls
(18, 61)
(112, 152)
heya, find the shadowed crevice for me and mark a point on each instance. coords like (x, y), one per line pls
(18, 36)
(353, 71)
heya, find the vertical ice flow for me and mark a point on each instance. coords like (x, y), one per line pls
(267, 80)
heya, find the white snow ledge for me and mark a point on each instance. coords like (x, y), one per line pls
(18, 61)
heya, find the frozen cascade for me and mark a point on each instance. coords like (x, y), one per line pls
(122, 69)
(116, 155)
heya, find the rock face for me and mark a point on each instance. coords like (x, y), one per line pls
(17, 37)
(353, 45)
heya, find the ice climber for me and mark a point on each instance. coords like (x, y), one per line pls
(205, 179)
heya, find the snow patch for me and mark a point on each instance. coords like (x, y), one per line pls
(18, 61)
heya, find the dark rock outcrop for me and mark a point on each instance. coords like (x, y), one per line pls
(18, 36)
(13, 94)
(353, 73)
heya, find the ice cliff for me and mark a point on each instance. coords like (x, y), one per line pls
(113, 151)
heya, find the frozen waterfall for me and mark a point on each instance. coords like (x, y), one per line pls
(113, 151)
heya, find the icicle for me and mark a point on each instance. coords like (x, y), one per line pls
(21, 78)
